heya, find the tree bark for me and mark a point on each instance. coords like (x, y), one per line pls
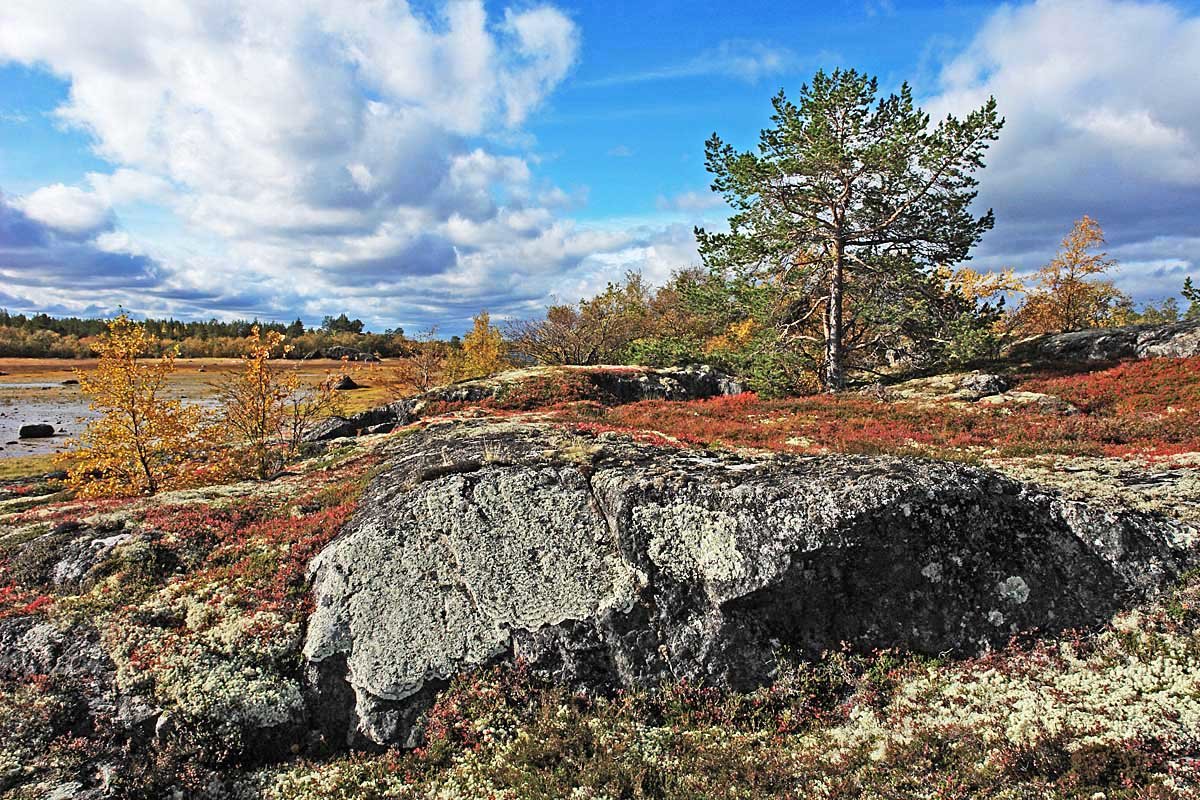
(835, 378)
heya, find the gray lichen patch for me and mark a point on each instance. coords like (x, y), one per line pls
(1167, 486)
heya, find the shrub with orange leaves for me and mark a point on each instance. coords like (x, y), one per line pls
(269, 409)
(143, 442)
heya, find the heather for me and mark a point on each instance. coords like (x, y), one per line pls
(198, 600)
(1137, 408)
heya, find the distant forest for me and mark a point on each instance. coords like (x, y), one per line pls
(44, 336)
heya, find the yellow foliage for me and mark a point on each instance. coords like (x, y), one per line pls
(982, 286)
(1067, 297)
(482, 353)
(269, 409)
(143, 442)
(737, 335)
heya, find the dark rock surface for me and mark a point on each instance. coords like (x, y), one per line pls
(608, 384)
(1176, 340)
(607, 563)
(36, 431)
(345, 383)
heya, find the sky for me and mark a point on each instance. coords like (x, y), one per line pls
(413, 163)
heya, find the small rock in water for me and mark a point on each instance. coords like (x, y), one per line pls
(38, 430)
(70, 382)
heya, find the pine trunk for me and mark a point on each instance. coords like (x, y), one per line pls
(835, 378)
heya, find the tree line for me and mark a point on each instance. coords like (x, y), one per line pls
(44, 336)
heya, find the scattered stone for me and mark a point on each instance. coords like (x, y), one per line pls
(345, 383)
(1044, 402)
(982, 384)
(70, 382)
(605, 563)
(35, 431)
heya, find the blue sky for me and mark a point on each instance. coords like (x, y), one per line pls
(413, 163)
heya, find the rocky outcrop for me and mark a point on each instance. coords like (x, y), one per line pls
(1177, 340)
(983, 388)
(610, 385)
(606, 563)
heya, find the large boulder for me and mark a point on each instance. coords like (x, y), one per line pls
(606, 563)
(540, 385)
(1176, 340)
(36, 430)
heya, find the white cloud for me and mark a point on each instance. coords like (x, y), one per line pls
(127, 186)
(1103, 114)
(621, 151)
(67, 209)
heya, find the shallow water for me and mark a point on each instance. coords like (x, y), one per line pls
(68, 412)
(68, 415)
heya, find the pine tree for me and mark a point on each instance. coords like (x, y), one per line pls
(845, 189)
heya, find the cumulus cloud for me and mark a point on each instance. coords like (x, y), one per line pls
(67, 209)
(339, 152)
(38, 254)
(1102, 117)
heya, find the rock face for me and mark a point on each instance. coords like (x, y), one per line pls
(607, 563)
(1177, 340)
(608, 384)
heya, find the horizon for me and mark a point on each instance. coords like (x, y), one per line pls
(411, 165)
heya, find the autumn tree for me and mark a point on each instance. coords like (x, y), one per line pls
(143, 441)
(849, 199)
(268, 408)
(596, 331)
(1068, 294)
(481, 353)
(424, 368)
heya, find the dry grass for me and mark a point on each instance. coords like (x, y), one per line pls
(14, 467)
